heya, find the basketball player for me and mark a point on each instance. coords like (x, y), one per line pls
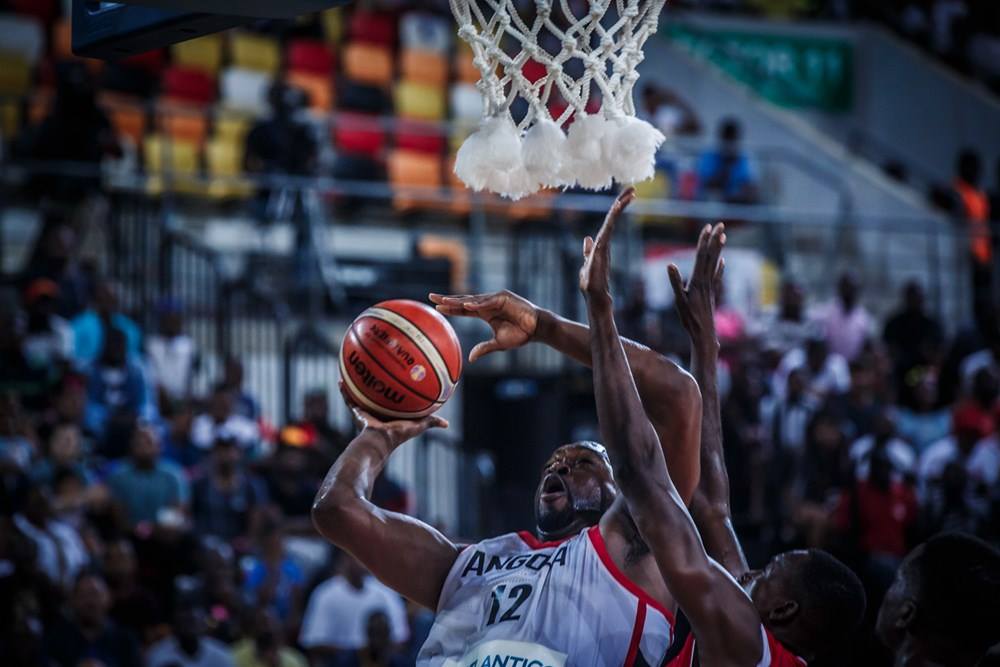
(802, 603)
(583, 591)
(944, 606)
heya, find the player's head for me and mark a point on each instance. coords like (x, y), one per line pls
(576, 488)
(809, 600)
(946, 598)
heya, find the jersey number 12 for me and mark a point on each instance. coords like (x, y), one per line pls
(517, 596)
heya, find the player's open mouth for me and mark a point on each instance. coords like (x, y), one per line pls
(553, 488)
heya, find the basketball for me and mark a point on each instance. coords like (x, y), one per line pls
(400, 359)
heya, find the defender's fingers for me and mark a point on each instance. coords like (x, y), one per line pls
(611, 219)
(676, 281)
(721, 270)
(484, 348)
(588, 246)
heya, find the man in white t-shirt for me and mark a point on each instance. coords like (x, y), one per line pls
(339, 609)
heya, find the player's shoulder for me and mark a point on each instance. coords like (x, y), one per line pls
(776, 654)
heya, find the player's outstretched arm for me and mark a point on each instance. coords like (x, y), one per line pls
(696, 306)
(404, 553)
(723, 618)
(668, 393)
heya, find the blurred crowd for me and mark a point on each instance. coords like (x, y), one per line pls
(143, 522)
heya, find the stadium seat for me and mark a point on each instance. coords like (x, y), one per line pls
(15, 75)
(152, 62)
(188, 85)
(425, 67)
(459, 196)
(245, 89)
(466, 102)
(10, 119)
(129, 121)
(532, 70)
(458, 136)
(368, 63)
(412, 174)
(359, 97)
(43, 10)
(22, 37)
(317, 86)
(183, 124)
(378, 28)
(333, 25)
(255, 52)
(310, 56)
(359, 134)
(425, 32)
(203, 53)
(224, 159)
(418, 101)
(232, 126)
(654, 189)
(39, 105)
(421, 137)
(465, 71)
(535, 207)
(173, 164)
(430, 246)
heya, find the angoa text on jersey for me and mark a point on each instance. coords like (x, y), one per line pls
(512, 601)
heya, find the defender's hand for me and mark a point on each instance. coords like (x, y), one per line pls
(696, 300)
(513, 318)
(397, 431)
(595, 276)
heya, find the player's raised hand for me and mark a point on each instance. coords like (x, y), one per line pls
(397, 431)
(595, 276)
(513, 318)
(696, 300)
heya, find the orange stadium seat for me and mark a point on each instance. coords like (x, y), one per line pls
(39, 105)
(412, 174)
(255, 52)
(431, 246)
(465, 71)
(317, 86)
(203, 53)
(368, 63)
(128, 121)
(425, 67)
(419, 101)
(182, 123)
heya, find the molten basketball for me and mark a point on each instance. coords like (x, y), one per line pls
(400, 359)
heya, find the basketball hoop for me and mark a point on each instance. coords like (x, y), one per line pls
(516, 159)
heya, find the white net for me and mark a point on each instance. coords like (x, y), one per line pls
(541, 66)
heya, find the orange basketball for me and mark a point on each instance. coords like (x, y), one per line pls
(400, 359)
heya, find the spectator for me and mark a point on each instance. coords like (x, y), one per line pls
(669, 112)
(330, 441)
(19, 377)
(226, 500)
(859, 407)
(379, 650)
(266, 646)
(980, 371)
(844, 321)
(145, 485)
(60, 553)
(826, 373)
(825, 472)
(189, 647)
(973, 446)
(173, 356)
(233, 379)
(222, 421)
(133, 606)
(48, 339)
(53, 258)
(87, 636)
(927, 421)
(724, 172)
(787, 418)
(17, 439)
(289, 484)
(902, 458)
(116, 389)
(913, 337)
(91, 326)
(972, 208)
(272, 578)
(787, 329)
(178, 446)
(339, 608)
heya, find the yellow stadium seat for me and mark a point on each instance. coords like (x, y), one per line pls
(204, 53)
(316, 86)
(182, 123)
(15, 75)
(333, 25)
(173, 164)
(232, 126)
(255, 52)
(368, 63)
(654, 189)
(224, 159)
(418, 101)
(10, 118)
(411, 174)
(425, 67)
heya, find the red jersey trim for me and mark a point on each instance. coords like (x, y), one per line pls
(535, 543)
(633, 646)
(601, 548)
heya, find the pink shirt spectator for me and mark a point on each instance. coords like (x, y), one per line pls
(846, 332)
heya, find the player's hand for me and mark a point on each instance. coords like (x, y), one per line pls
(595, 276)
(396, 431)
(696, 300)
(513, 318)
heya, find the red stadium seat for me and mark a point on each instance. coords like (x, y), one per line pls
(151, 61)
(373, 28)
(420, 137)
(359, 134)
(309, 55)
(190, 85)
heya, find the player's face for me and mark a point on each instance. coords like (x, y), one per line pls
(576, 488)
(897, 606)
(768, 587)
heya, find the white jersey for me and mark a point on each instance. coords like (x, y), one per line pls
(517, 602)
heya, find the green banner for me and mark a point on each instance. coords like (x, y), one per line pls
(791, 71)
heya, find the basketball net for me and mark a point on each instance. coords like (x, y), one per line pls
(517, 159)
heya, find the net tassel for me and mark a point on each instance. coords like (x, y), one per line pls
(542, 150)
(491, 155)
(587, 165)
(629, 147)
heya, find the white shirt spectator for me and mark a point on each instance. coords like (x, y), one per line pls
(205, 431)
(901, 455)
(833, 378)
(982, 465)
(974, 363)
(787, 422)
(337, 614)
(211, 653)
(61, 554)
(846, 332)
(47, 347)
(171, 364)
